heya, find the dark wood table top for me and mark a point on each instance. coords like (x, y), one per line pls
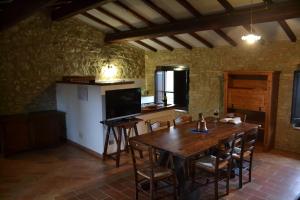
(183, 142)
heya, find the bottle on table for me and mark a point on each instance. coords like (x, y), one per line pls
(165, 100)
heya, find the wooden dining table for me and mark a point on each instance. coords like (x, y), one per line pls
(183, 142)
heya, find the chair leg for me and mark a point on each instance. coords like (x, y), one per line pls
(151, 190)
(193, 172)
(216, 185)
(250, 167)
(136, 193)
(174, 187)
(227, 179)
(240, 163)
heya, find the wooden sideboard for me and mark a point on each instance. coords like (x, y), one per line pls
(255, 94)
(21, 132)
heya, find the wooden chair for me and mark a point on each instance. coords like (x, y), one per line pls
(150, 173)
(182, 120)
(217, 165)
(243, 153)
(157, 125)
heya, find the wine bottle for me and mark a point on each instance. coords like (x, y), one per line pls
(165, 100)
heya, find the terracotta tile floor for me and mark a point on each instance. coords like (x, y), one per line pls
(69, 173)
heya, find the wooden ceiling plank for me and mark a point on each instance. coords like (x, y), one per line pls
(202, 40)
(162, 44)
(186, 45)
(159, 10)
(288, 30)
(92, 17)
(76, 7)
(146, 45)
(275, 12)
(133, 12)
(18, 10)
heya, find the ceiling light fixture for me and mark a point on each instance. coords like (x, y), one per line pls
(251, 38)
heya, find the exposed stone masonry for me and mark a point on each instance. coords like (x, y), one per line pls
(37, 52)
(206, 78)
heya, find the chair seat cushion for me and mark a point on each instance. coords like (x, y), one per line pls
(208, 163)
(237, 153)
(159, 172)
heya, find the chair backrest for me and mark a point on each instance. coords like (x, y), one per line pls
(225, 149)
(246, 141)
(157, 125)
(239, 140)
(136, 148)
(249, 140)
(182, 119)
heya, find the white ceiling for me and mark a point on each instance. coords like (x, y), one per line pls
(270, 31)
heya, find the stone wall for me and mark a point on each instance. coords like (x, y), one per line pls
(37, 52)
(206, 78)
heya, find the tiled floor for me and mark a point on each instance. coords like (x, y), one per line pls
(69, 173)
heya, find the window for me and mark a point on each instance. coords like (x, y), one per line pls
(174, 81)
(295, 117)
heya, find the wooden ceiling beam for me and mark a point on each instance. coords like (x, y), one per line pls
(18, 10)
(288, 30)
(202, 40)
(161, 43)
(133, 12)
(115, 17)
(139, 16)
(223, 35)
(228, 7)
(189, 8)
(181, 42)
(275, 12)
(96, 19)
(196, 13)
(168, 17)
(76, 7)
(159, 10)
(146, 45)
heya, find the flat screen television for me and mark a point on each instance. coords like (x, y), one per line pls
(122, 103)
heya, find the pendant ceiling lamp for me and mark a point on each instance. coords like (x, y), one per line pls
(251, 38)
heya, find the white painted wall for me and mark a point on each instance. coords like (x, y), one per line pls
(84, 106)
(82, 115)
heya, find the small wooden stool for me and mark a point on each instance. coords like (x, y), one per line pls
(124, 127)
